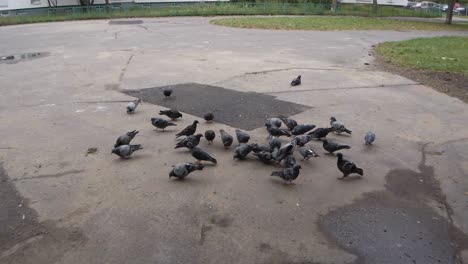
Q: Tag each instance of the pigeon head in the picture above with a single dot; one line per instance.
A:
(325, 141)
(299, 77)
(333, 119)
(339, 155)
(195, 122)
(297, 166)
(268, 125)
(137, 101)
(114, 150)
(198, 136)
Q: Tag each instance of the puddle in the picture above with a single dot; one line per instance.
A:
(397, 225)
(15, 58)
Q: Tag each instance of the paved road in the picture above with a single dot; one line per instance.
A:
(59, 205)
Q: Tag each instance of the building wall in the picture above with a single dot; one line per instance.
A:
(20, 4)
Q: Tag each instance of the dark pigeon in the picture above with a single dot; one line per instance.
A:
(181, 170)
(276, 132)
(161, 123)
(125, 151)
(210, 136)
(258, 148)
(275, 143)
(301, 140)
(289, 161)
(347, 167)
(189, 142)
(290, 123)
(167, 92)
(208, 117)
(283, 152)
(242, 137)
(200, 155)
(132, 106)
(288, 174)
(338, 127)
(307, 152)
(320, 132)
(296, 81)
(369, 138)
(189, 130)
(243, 150)
(172, 114)
(274, 121)
(264, 156)
(226, 138)
(126, 138)
(301, 129)
(332, 146)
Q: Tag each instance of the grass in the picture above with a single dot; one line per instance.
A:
(333, 23)
(267, 8)
(444, 54)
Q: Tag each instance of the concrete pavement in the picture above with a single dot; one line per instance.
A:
(60, 205)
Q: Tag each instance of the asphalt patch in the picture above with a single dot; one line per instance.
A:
(397, 225)
(125, 22)
(15, 58)
(244, 110)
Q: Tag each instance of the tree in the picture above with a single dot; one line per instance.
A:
(52, 3)
(374, 6)
(448, 17)
(86, 2)
(333, 7)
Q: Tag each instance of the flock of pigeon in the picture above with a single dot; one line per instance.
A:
(272, 153)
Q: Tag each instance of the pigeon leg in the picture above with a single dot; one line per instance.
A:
(342, 178)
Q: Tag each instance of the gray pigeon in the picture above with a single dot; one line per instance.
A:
(290, 123)
(172, 114)
(181, 170)
(161, 123)
(284, 152)
(126, 138)
(289, 161)
(125, 151)
(131, 107)
(258, 148)
(301, 129)
(200, 155)
(276, 132)
(288, 174)
(301, 140)
(210, 136)
(189, 142)
(275, 143)
(338, 127)
(369, 138)
(242, 137)
(226, 138)
(189, 130)
(264, 156)
(332, 146)
(320, 132)
(347, 167)
(296, 81)
(307, 152)
(243, 150)
(274, 121)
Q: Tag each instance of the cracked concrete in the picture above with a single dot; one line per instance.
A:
(111, 211)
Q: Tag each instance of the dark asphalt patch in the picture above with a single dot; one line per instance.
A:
(15, 58)
(397, 225)
(125, 22)
(242, 110)
(22, 238)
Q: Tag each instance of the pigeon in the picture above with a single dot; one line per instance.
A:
(288, 174)
(275, 143)
(210, 136)
(307, 152)
(172, 114)
(226, 138)
(264, 156)
(242, 137)
(131, 107)
(161, 123)
(301, 140)
(125, 151)
(347, 167)
(289, 161)
(208, 117)
(274, 121)
(290, 123)
(320, 132)
(276, 132)
(189, 130)
(301, 129)
(189, 142)
(296, 81)
(200, 155)
(167, 92)
(126, 138)
(332, 146)
(258, 148)
(243, 150)
(338, 127)
(181, 170)
(369, 138)
(284, 151)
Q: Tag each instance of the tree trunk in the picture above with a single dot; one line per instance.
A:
(333, 7)
(107, 2)
(374, 6)
(448, 17)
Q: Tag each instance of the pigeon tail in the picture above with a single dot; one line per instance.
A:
(214, 160)
(276, 173)
(359, 171)
(136, 147)
(347, 131)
